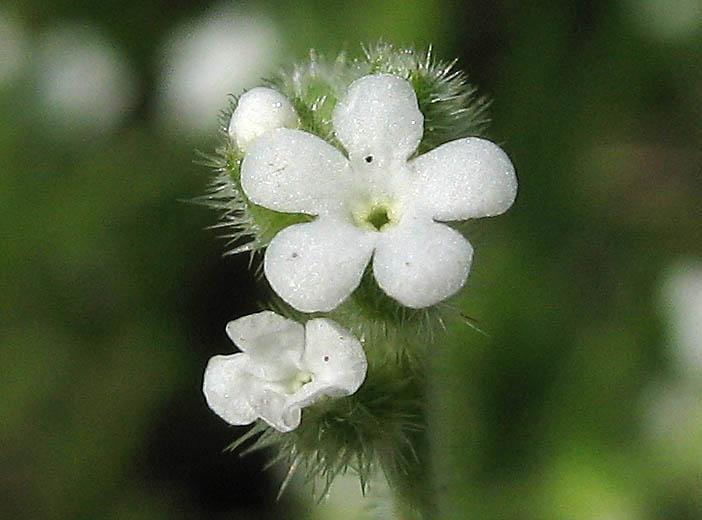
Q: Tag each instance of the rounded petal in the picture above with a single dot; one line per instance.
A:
(259, 110)
(256, 332)
(422, 263)
(379, 118)
(294, 172)
(228, 389)
(334, 356)
(317, 265)
(273, 344)
(465, 178)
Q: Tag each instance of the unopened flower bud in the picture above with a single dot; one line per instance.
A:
(259, 110)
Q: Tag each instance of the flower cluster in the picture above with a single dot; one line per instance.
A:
(348, 176)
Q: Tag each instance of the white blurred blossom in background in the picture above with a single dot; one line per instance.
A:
(205, 60)
(681, 301)
(673, 407)
(83, 80)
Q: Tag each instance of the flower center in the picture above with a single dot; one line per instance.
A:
(299, 380)
(376, 215)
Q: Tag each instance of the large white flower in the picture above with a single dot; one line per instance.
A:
(283, 367)
(375, 203)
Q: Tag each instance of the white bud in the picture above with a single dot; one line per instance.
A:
(259, 110)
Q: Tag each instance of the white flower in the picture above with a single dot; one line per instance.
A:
(283, 367)
(259, 110)
(376, 203)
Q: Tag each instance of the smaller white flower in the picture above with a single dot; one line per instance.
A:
(259, 110)
(283, 367)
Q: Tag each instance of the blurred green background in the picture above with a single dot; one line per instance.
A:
(584, 400)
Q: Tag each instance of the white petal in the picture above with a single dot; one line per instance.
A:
(258, 111)
(422, 263)
(334, 356)
(273, 344)
(256, 331)
(336, 360)
(465, 178)
(275, 409)
(294, 172)
(317, 265)
(228, 389)
(379, 118)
